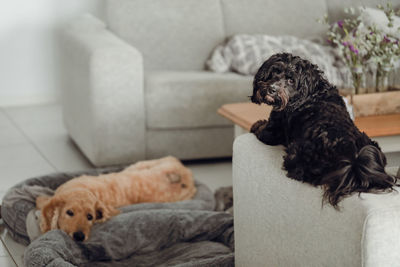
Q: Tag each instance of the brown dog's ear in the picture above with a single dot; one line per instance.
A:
(104, 212)
(174, 177)
(41, 201)
(50, 213)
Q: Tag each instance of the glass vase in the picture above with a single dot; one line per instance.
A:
(358, 80)
(382, 78)
(370, 77)
(394, 79)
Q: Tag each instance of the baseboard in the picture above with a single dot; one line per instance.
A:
(26, 100)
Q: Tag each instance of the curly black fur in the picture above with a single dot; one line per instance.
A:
(309, 117)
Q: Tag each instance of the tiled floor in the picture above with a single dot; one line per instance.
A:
(34, 142)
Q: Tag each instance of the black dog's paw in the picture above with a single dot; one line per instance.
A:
(258, 127)
(265, 133)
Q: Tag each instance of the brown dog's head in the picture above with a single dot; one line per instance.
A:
(74, 212)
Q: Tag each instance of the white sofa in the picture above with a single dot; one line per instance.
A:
(135, 86)
(281, 222)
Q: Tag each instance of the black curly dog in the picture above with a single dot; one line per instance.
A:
(309, 117)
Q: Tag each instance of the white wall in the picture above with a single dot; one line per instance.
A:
(29, 60)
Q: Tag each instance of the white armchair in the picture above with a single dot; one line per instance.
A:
(103, 104)
(117, 111)
(281, 222)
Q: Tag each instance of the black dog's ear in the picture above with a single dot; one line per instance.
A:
(254, 99)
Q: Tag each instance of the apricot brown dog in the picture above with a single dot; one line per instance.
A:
(85, 200)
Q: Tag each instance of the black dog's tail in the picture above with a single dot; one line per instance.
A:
(364, 173)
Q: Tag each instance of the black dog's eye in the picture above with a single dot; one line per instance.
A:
(89, 217)
(70, 213)
(276, 70)
(290, 81)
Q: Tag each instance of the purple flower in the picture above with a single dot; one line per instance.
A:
(345, 43)
(340, 23)
(353, 49)
(386, 39)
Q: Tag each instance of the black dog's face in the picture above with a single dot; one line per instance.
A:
(276, 90)
(275, 82)
(284, 79)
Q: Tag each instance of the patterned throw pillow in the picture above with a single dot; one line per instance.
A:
(244, 54)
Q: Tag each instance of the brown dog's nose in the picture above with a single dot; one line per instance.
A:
(79, 236)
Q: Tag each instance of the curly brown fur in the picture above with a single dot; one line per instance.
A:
(309, 117)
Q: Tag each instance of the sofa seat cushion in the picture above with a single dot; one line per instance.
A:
(191, 99)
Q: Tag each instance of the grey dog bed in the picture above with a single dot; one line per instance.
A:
(186, 233)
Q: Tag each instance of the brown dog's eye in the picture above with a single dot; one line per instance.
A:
(89, 217)
(70, 213)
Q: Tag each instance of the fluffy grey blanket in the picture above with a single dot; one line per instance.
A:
(187, 233)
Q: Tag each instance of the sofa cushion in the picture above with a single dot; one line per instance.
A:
(244, 54)
(285, 17)
(190, 144)
(376, 17)
(191, 99)
(336, 8)
(173, 34)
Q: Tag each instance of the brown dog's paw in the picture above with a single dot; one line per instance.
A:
(258, 126)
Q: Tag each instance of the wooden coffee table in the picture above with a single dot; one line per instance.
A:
(383, 128)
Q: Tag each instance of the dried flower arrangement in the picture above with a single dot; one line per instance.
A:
(366, 49)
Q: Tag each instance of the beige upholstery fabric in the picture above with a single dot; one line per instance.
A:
(285, 17)
(191, 99)
(103, 105)
(335, 8)
(173, 34)
(280, 221)
(194, 143)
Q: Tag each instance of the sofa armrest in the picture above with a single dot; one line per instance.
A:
(281, 222)
(102, 96)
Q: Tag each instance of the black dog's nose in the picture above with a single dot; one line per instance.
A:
(79, 236)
